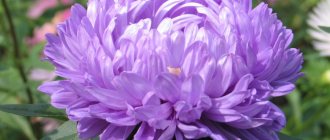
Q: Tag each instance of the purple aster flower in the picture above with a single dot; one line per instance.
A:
(163, 69)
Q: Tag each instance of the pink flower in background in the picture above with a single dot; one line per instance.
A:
(40, 6)
(61, 16)
(35, 11)
(49, 27)
(39, 74)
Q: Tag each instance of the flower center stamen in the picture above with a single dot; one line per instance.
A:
(175, 71)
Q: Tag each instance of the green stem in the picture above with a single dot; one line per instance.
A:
(17, 54)
(19, 65)
(311, 121)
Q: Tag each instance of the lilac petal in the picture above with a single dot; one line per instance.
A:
(105, 65)
(51, 87)
(202, 36)
(81, 92)
(227, 70)
(186, 113)
(246, 122)
(90, 127)
(132, 87)
(262, 85)
(263, 133)
(208, 69)
(253, 109)
(292, 66)
(278, 116)
(213, 5)
(119, 63)
(110, 98)
(133, 31)
(156, 115)
(99, 110)
(188, 5)
(219, 133)
(243, 134)
(154, 65)
(165, 8)
(53, 49)
(137, 12)
(193, 55)
(145, 132)
(223, 115)
(192, 131)
(190, 34)
(114, 132)
(282, 88)
(230, 100)
(168, 133)
(192, 89)
(184, 20)
(243, 83)
(78, 10)
(204, 103)
(78, 109)
(63, 99)
(60, 97)
(119, 118)
(176, 49)
(165, 27)
(108, 42)
(224, 73)
(166, 86)
(212, 88)
(153, 111)
(178, 135)
(211, 16)
(151, 99)
(92, 10)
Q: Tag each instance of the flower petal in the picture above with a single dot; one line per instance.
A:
(167, 87)
(114, 132)
(90, 127)
(145, 132)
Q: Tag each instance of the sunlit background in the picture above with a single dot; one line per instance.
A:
(22, 70)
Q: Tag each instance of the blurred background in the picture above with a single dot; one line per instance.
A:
(22, 69)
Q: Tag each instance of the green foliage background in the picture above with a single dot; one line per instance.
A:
(307, 108)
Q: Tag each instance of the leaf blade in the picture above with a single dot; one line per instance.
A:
(34, 110)
(67, 131)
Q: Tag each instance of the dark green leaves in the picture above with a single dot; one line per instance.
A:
(34, 110)
(67, 131)
(324, 28)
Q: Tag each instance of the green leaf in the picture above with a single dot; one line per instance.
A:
(14, 123)
(34, 110)
(10, 81)
(34, 60)
(283, 136)
(294, 101)
(67, 131)
(326, 29)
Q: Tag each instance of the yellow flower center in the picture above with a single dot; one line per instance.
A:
(175, 71)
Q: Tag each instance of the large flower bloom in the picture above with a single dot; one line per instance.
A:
(163, 69)
(320, 17)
